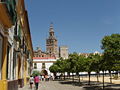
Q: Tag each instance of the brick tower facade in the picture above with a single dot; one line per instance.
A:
(52, 43)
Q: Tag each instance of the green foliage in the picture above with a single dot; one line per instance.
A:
(111, 47)
(96, 62)
(73, 58)
(80, 63)
(77, 63)
(116, 66)
(35, 73)
(54, 68)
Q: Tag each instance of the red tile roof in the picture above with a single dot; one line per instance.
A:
(44, 58)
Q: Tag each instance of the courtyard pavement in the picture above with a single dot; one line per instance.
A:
(64, 85)
(54, 85)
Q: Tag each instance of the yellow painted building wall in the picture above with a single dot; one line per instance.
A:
(3, 85)
(25, 72)
(3, 82)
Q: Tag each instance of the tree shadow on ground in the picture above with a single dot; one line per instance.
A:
(92, 88)
(76, 83)
(112, 87)
(93, 85)
(100, 88)
(85, 87)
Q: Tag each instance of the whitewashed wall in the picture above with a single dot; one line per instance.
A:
(48, 63)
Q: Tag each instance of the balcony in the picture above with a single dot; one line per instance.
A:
(7, 13)
(4, 15)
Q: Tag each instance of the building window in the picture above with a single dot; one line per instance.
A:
(1, 46)
(8, 70)
(14, 65)
(43, 65)
(35, 65)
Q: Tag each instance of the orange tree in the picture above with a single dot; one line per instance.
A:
(111, 47)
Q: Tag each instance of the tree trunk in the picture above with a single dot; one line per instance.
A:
(69, 75)
(54, 74)
(97, 76)
(73, 77)
(79, 78)
(117, 74)
(89, 78)
(103, 81)
(64, 75)
(61, 76)
(110, 76)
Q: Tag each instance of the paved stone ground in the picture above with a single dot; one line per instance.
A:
(54, 85)
(64, 85)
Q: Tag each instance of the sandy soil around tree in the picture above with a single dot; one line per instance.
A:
(106, 79)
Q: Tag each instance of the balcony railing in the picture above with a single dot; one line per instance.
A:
(10, 5)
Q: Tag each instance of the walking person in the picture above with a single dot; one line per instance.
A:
(31, 81)
(36, 80)
(40, 77)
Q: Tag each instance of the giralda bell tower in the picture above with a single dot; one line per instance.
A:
(52, 43)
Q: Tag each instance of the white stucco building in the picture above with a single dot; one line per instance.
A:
(43, 63)
(63, 52)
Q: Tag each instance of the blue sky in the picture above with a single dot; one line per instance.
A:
(79, 24)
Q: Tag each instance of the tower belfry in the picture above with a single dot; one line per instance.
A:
(51, 27)
(51, 30)
(51, 43)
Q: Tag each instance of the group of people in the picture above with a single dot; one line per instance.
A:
(35, 80)
(46, 77)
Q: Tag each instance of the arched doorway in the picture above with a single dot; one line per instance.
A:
(44, 72)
